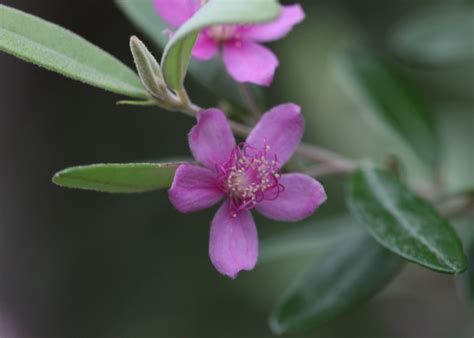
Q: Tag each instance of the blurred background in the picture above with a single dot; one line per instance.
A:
(77, 264)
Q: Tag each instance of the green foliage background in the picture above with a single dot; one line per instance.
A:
(80, 264)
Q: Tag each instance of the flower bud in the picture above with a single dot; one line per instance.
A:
(148, 68)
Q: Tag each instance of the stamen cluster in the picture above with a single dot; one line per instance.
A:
(250, 176)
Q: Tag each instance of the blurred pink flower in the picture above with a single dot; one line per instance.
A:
(244, 57)
(247, 175)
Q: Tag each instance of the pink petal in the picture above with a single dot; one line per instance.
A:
(211, 140)
(176, 12)
(233, 244)
(282, 129)
(205, 47)
(290, 16)
(194, 188)
(300, 198)
(247, 61)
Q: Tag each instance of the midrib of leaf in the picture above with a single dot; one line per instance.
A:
(386, 202)
(67, 59)
(105, 182)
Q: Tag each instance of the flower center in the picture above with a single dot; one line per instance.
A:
(250, 176)
(222, 33)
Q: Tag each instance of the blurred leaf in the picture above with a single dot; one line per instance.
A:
(118, 178)
(143, 14)
(50, 46)
(211, 74)
(313, 236)
(403, 222)
(436, 36)
(396, 102)
(350, 273)
(469, 275)
(178, 51)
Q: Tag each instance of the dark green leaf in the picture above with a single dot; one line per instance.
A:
(436, 36)
(469, 275)
(177, 53)
(118, 178)
(403, 222)
(350, 273)
(396, 101)
(57, 49)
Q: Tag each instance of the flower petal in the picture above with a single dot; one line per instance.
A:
(290, 16)
(176, 12)
(247, 61)
(300, 198)
(281, 128)
(194, 188)
(233, 244)
(211, 140)
(205, 47)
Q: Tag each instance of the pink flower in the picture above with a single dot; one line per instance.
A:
(245, 59)
(248, 176)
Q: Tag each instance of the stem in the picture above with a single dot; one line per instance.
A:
(325, 169)
(333, 162)
(250, 102)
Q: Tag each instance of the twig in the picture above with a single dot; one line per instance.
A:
(250, 102)
(331, 160)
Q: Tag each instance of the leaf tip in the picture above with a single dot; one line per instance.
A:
(275, 325)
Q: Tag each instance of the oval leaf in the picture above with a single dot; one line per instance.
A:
(350, 273)
(50, 46)
(211, 74)
(396, 101)
(469, 275)
(403, 222)
(118, 178)
(435, 36)
(216, 12)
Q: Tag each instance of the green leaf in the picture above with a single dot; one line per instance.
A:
(50, 46)
(118, 178)
(216, 12)
(469, 275)
(395, 100)
(308, 238)
(403, 222)
(350, 273)
(435, 36)
(211, 74)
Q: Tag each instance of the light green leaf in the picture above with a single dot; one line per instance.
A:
(118, 178)
(403, 222)
(211, 74)
(216, 12)
(395, 100)
(50, 46)
(436, 36)
(348, 274)
(311, 237)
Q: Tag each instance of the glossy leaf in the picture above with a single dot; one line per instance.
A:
(118, 178)
(396, 101)
(435, 36)
(177, 53)
(50, 46)
(403, 222)
(211, 74)
(469, 275)
(351, 272)
(308, 238)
